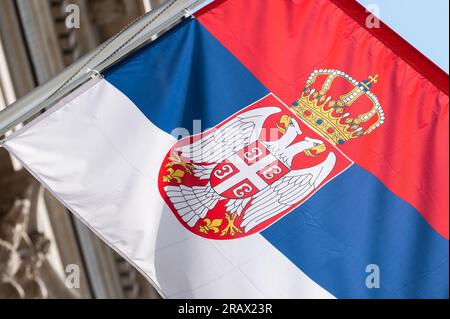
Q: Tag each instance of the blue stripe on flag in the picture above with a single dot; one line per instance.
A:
(354, 221)
(184, 76)
(351, 222)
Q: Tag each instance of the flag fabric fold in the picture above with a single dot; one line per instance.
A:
(278, 156)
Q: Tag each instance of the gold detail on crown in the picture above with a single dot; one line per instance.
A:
(334, 118)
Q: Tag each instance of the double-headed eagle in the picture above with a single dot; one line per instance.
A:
(205, 154)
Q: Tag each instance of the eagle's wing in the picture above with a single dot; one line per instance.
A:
(203, 171)
(224, 142)
(192, 203)
(237, 205)
(286, 192)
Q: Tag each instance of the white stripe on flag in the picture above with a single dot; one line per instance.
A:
(101, 157)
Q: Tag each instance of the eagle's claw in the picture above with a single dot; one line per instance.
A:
(231, 228)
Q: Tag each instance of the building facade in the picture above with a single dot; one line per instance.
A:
(44, 251)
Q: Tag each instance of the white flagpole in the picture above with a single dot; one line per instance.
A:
(131, 38)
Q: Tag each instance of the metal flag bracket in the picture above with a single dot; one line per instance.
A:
(94, 74)
(188, 13)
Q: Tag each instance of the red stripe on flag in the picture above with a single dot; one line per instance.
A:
(282, 42)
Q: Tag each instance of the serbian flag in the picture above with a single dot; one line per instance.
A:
(263, 149)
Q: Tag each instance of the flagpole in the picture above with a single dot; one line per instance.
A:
(142, 31)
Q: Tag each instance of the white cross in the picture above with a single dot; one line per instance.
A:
(246, 172)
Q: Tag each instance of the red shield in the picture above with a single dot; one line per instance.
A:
(213, 198)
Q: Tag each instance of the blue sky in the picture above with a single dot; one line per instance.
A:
(424, 24)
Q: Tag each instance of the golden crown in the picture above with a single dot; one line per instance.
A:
(335, 118)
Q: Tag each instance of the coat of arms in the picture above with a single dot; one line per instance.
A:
(255, 167)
